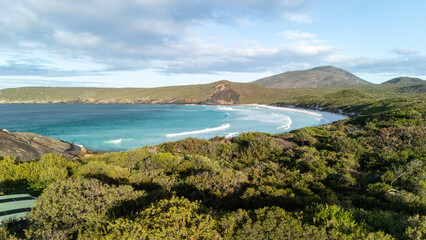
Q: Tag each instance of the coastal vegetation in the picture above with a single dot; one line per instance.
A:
(359, 178)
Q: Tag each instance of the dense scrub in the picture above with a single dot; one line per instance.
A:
(360, 178)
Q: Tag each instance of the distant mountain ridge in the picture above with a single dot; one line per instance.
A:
(404, 80)
(325, 76)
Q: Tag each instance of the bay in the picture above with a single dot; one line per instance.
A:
(119, 127)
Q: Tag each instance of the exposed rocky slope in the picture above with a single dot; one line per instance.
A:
(31, 146)
(404, 80)
(223, 95)
(326, 76)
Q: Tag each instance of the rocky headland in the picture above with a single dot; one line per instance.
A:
(31, 146)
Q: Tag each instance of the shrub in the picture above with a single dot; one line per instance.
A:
(69, 207)
(176, 218)
(267, 223)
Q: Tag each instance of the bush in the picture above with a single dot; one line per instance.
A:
(105, 172)
(69, 207)
(267, 223)
(176, 218)
(127, 159)
(33, 177)
(218, 183)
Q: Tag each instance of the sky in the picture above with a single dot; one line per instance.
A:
(152, 43)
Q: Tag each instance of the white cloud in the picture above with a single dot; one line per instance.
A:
(76, 39)
(385, 68)
(138, 34)
(404, 51)
(297, 17)
(309, 49)
(336, 58)
(241, 56)
(50, 37)
(297, 34)
(244, 22)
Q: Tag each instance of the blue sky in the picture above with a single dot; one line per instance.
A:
(150, 43)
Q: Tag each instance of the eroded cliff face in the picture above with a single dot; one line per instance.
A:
(31, 146)
(223, 96)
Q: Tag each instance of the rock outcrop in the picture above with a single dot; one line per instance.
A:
(223, 96)
(31, 146)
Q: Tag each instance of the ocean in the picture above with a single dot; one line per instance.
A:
(119, 127)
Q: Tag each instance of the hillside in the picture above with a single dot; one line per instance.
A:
(404, 80)
(326, 76)
(222, 92)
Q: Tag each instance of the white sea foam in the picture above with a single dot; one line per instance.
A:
(230, 135)
(287, 125)
(318, 116)
(207, 130)
(117, 141)
(324, 117)
(221, 108)
(280, 120)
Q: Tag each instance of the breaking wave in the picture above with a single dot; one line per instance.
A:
(206, 130)
(221, 108)
(117, 141)
(280, 120)
(287, 125)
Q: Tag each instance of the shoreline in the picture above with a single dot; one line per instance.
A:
(319, 114)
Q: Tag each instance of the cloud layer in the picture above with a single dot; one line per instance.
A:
(85, 37)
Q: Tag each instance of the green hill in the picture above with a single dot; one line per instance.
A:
(326, 76)
(222, 92)
(404, 80)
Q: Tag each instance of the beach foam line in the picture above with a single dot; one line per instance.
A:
(307, 112)
(223, 127)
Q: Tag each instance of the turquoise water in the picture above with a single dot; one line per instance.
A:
(118, 127)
